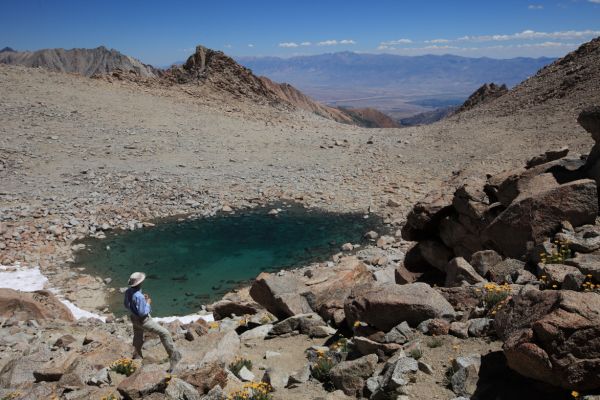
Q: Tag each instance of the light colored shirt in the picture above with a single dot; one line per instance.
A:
(136, 303)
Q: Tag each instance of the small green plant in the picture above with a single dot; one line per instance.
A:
(434, 342)
(238, 364)
(341, 346)
(558, 255)
(495, 296)
(124, 366)
(253, 391)
(321, 369)
(416, 353)
(11, 396)
(111, 396)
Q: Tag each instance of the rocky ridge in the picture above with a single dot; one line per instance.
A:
(86, 62)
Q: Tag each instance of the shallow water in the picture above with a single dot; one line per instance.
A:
(195, 262)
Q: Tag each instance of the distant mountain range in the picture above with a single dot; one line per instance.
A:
(392, 83)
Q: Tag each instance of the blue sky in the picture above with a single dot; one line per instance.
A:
(163, 32)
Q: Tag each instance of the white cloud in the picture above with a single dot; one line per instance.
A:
(535, 7)
(347, 41)
(437, 41)
(288, 44)
(531, 35)
(327, 43)
(228, 46)
(305, 44)
(594, 1)
(250, 45)
(395, 42)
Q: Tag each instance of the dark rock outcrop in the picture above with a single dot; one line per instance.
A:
(554, 337)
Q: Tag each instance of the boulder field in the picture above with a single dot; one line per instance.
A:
(492, 291)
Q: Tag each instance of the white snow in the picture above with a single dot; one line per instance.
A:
(31, 279)
(186, 319)
(20, 278)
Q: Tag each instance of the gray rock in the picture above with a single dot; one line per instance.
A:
(271, 354)
(277, 378)
(483, 260)
(178, 389)
(301, 322)
(588, 264)
(300, 376)
(246, 375)
(350, 376)
(366, 346)
(459, 329)
(426, 368)
(466, 374)
(321, 331)
(400, 373)
(459, 270)
(479, 327)
(226, 349)
(400, 334)
(260, 332)
(503, 271)
(280, 295)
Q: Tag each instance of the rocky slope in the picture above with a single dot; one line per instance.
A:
(86, 62)
(484, 94)
(569, 83)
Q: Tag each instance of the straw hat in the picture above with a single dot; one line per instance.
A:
(136, 278)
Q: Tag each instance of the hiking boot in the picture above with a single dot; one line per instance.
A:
(174, 360)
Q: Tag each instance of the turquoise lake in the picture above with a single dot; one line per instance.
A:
(194, 262)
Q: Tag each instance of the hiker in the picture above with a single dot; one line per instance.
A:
(139, 307)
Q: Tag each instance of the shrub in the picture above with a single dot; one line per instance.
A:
(416, 353)
(124, 366)
(321, 369)
(253, 391)
(495, 296)
(557, 256)
(341, 346)
(111, 396)
(238, 364)
(11, 396)
(435, 342)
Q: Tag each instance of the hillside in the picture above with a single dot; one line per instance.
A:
(86, 62)
(566, 86)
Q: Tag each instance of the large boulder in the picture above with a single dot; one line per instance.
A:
(532, 218)
(554, 337)
(350, 376)
(588, 264)
(589, 119)
(143, 382)
(280, 295)
(384, 307)
(225, 308)
(38, 305)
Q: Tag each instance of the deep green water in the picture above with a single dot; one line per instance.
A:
(195, 262)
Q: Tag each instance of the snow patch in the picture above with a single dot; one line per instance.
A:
(31, 279)
(186, 319)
